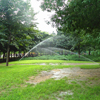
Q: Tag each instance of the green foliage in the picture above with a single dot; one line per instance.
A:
(78, 17)
(63, 57)
(15, 17)
(64, 41)
(75, 14)
(46, 57)
(94, 57)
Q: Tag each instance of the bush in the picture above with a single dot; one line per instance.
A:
(60, 57)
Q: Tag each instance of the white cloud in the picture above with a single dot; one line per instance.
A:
(42, 17)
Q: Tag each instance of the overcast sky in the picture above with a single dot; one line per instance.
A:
(42, 17)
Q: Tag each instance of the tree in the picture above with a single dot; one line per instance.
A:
(75, 15)
(15, 16)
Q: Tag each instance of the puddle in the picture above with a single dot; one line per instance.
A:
(42, 64)
(61, 73)
(72, 73)
(66, 93)
(62, 94)
(53, 63)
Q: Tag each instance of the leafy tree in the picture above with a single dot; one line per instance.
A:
(75, 14)
(15, 16)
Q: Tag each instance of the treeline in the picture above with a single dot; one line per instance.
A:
(78, 19)
(16, 52)
(18, 31)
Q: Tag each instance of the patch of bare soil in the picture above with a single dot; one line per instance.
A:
(41, 77)
(71, 73)
(90, 76)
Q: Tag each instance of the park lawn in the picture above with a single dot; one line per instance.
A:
(13, 84)
(47, 61)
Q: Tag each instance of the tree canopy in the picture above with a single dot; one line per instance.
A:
(75, 14)
(15, 17)
(79, 18)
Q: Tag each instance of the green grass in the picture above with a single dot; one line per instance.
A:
(13, 84)
(89, 66)
(47, 61)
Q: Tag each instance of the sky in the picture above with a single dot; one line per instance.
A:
(41, 17)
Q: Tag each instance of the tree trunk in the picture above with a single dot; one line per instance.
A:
(89, 52)
(19, 54)
(8, 49)
(3, 56)
(14, 54)
(11, 54)
(0, 54)
(79, 50)
(24, 53)
(7, 58)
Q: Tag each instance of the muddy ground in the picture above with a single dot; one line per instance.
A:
(71, 73)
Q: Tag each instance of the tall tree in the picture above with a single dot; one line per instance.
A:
(15, 16)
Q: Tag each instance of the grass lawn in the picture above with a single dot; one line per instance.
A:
(13, 85)
(47, 61)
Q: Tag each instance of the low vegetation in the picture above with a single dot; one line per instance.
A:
(65, 57)
(13, 84)
(94, 57)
